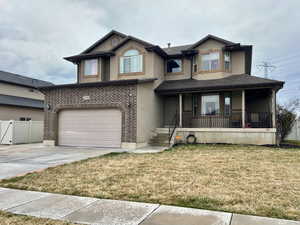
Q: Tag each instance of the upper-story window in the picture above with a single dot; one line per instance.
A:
(227, 61)
(131, 62)
(91, 67)
(174, 66)
(210, 61)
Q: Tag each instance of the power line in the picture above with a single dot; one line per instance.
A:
(267, 67)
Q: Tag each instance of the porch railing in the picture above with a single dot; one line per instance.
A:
(259, 119)
(175, 125)
(234, 120)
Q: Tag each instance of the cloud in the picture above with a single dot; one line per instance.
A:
(34, 37)
(36, 34)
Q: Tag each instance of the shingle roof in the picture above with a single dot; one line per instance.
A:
(19, 101)
(234, 81)
(176, 50)
(22, 80)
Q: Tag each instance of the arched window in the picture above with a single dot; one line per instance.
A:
(131, 62)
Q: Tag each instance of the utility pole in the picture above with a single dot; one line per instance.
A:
(267, 67)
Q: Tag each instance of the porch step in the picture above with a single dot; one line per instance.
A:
(162, 130)
(160, 139)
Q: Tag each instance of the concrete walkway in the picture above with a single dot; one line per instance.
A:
(111, 212)
(17, 160)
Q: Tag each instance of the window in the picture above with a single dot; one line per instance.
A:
(227, 105)
(187, 103)
(210, 105)
(174, 66)
(91, 67)
(195, 64)
(210, 62)
(131, 62)
(227, 61)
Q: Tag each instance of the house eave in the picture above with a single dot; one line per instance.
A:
(77, 58)
(100, 84)
(217, 88)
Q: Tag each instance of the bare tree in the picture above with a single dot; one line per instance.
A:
(286, 117)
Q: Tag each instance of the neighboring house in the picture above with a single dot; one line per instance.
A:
(129, 90)
(20, 98)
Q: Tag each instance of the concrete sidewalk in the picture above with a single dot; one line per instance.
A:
(112, 212)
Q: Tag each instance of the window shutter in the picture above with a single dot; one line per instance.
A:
(122, 65)
(140, 63)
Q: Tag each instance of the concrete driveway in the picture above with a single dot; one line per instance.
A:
(20, 159)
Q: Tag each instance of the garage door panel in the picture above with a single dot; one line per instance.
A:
(93, 127)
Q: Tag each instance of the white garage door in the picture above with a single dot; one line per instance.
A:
(90, 127)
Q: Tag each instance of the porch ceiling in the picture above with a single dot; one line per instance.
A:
(231, 82)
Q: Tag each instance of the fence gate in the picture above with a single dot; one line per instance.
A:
(21, 132)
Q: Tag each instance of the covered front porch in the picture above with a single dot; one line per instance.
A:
(238, 109)
(246, 108)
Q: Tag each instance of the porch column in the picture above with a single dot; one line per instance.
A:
(273, 108)
(243, 109)
(180, 110)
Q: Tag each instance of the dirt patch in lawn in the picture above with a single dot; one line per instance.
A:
(11, 219)
(244, 179)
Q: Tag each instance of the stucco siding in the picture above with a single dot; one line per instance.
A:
(236, 100)
(259, 136)
(25, 92)
(238, 62)
(93, 78)
(210, 44)
(107, 45)
(149, 112)
(186, 71)
(148, 63)
(15, 113)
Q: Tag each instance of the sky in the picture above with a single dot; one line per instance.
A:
(35, 35)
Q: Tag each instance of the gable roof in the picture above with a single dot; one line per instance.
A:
(234, 81)
(12, 78)
(20, 101)
(131, 38)
(100, 41)
(175, 51)
(226, 42)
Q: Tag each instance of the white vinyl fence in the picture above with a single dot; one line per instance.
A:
(295, 133)
(21, 132)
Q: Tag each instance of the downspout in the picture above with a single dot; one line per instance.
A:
(191, 67)
(78, 72)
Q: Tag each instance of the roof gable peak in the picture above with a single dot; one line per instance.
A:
(212, 37)
(104, 38)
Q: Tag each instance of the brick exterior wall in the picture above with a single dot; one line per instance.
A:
(123, 98)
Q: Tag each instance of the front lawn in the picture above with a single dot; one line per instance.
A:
(244, 179)
(11, 219)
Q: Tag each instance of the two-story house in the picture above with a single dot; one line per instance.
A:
(20, 98)
(128, 91)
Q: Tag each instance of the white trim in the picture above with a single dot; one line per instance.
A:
(49, 143)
